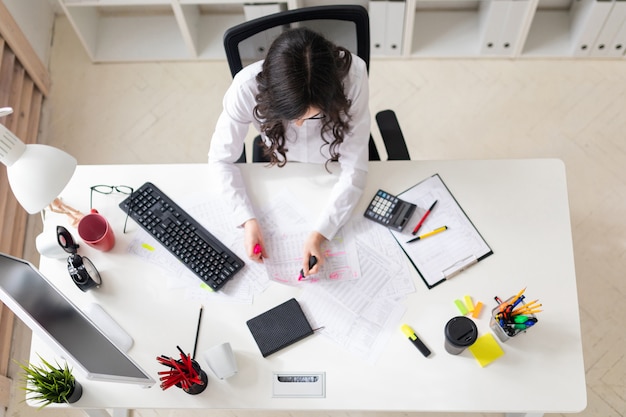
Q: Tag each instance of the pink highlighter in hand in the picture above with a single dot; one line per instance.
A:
(257, 249)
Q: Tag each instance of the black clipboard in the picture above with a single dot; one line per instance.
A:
(446, 254)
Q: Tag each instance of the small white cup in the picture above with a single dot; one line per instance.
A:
(47, 245)
(221, 360)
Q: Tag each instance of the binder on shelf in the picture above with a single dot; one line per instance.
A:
(493, 14)
(386, 26)
(377, 11)
(587, 19)
(618, 45)
(515, 28)
(609, 32)
(395, 28)
(444, 255)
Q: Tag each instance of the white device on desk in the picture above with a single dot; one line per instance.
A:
(61, 324)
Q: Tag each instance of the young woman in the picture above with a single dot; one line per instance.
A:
(309, 99)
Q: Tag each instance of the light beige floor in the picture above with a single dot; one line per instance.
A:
(448, 109)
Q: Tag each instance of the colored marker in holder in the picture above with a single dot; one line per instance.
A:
(513, 316)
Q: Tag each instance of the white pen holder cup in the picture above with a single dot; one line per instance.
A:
(221, 360)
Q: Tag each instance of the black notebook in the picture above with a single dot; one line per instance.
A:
(279, 327)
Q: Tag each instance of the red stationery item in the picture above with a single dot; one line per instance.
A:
(419, 224)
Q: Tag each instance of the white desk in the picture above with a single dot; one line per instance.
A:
(519, 206)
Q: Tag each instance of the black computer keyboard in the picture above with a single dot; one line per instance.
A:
(182, 235)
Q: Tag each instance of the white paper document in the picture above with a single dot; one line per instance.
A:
(285, 258)
(358, 300)
(357, 297)
(362, 315)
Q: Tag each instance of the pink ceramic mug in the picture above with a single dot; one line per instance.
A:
(96, 231)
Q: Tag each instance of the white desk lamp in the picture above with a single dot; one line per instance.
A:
(37, 173)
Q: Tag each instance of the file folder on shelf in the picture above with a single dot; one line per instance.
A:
(603, 46)
(618, 46)
(386, 27)
(587, 19)
(446, 254)
(504, 25)
(493, 14)
(395, 28)
(377, 11)
(517, 24)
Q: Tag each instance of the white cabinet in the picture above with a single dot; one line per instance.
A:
(164, 30)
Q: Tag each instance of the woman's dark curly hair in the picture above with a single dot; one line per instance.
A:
(302, 70)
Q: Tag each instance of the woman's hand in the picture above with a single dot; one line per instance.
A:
(313, 247)
(253, 241)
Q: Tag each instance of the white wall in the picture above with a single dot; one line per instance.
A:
(36, 19)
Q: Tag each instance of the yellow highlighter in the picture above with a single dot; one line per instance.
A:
(406, 329)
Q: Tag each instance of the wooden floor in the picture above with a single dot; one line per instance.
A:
(448, 109)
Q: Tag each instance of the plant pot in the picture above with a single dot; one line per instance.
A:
(76, 393)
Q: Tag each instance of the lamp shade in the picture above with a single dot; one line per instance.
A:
(37, 173)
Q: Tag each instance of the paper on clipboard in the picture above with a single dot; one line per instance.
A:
(444, 255)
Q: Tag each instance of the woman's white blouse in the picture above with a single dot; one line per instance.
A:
(304, 144)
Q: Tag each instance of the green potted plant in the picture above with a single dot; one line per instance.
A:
(50, 384)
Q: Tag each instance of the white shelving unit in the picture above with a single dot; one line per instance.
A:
(444, 30)
(166, 30)
(203, 26)
(572, 27)
(468, 28)
(153, 30)
(550, 33)
(127, 31)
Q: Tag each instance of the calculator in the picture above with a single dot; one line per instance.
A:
(389, 210)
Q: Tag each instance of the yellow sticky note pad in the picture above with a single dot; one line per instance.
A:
(486, 350)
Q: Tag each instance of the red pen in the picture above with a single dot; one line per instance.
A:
(423, 218)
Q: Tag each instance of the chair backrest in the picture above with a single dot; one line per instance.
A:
(345, 25)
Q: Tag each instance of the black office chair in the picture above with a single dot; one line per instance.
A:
(345, 25)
